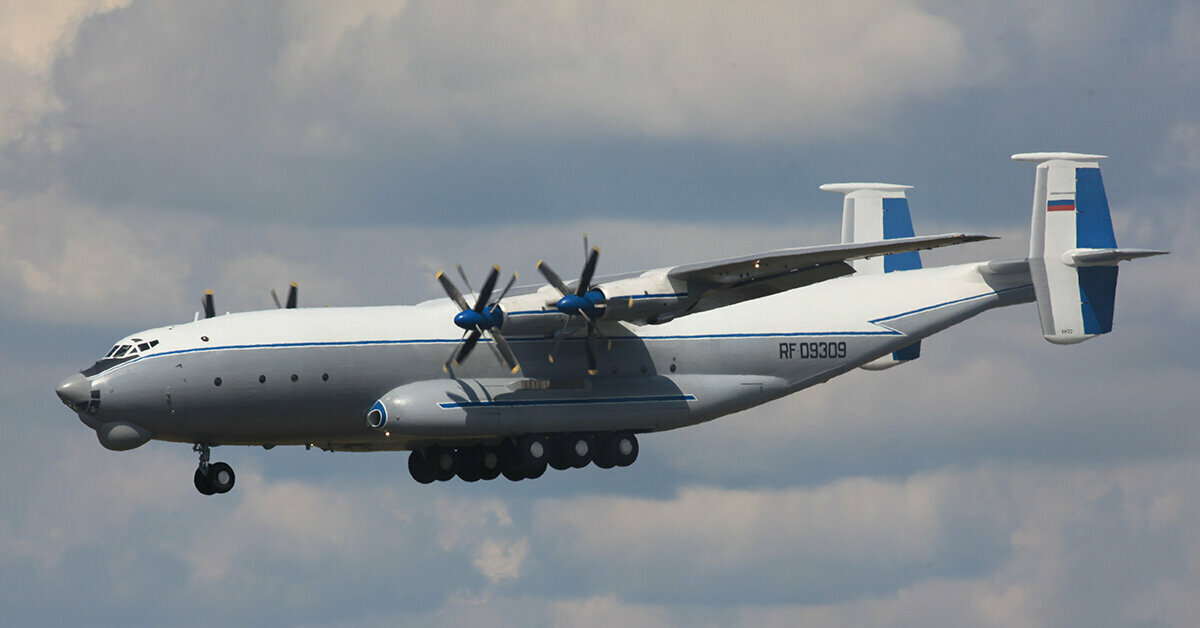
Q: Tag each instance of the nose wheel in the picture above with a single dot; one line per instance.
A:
(212, 478)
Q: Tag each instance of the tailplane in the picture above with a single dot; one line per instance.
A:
(1073, 251)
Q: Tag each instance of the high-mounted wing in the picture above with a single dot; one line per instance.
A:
(733, 280)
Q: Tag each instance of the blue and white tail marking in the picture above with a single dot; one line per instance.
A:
(872, 212)
(1073, 252)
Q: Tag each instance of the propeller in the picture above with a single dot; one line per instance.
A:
(483, 317)
(584, 302)
(291, 297)
(210, 309)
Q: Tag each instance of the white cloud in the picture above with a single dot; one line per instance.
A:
(32, 35)
(666, 69)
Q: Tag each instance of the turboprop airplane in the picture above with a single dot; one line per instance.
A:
(582, 368)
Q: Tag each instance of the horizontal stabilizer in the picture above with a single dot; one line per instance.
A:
(1105, 257)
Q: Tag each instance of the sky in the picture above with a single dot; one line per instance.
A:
(152, 150)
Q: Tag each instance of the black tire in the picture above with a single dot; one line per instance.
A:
(602, 446)
(558, 453)
(572, 446)
(536, 471)
(624, 449)
(512, 474)
(467, 465)
(221, 477)
(533, 450)
(441, 463)
(489, 463)
(202, 483)
(419, 468)
(510, 461)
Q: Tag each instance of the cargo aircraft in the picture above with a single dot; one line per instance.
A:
(580, 369)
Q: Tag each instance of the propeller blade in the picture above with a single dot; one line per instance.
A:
(558, 340)
(293, 291)
(486, 293)
(553, 278)
(586, 248)
(506, 351)
(506, 288)
(594, 330)
(466, 282)
(589, 269)
(466, 347)
(210, 310)
(591, 353)
(446, 365)
(452, 291)
(275, 297)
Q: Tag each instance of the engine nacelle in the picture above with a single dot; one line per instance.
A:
(644, 298)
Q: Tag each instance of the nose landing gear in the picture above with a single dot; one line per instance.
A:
(212, 479)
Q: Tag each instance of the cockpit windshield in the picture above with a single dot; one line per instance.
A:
(121, 352)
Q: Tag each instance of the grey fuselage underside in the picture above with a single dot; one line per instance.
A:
(317, 385)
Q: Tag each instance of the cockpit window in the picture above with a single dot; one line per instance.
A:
(120, 353)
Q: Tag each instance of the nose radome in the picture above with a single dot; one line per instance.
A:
(75, 391)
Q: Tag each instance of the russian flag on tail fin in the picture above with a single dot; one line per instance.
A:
(872, 212)
(1073, 252)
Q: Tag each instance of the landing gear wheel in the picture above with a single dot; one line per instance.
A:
(202, 483)
(558, 452)
(510, 461)
(602, 456)
(619, 449)
(441, 462)
(536, 471)
(220, 477)
(576, 450)
(625, 449)
(419, 468)
(533, 451)
(467, 464)
(489, 463)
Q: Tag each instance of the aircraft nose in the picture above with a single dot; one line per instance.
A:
(75, 391)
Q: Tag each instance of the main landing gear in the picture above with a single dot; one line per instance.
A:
(212, 478)
(523, 458)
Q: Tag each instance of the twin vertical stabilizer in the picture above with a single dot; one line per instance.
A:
(872, 212)
(1073, 252)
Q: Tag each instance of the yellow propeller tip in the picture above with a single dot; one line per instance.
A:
(551, 358)
(515, 369)
(593, 372)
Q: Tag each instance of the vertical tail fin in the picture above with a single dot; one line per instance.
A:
(1073, 251)
(879, 211)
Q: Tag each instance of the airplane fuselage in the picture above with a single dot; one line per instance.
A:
(311, 376)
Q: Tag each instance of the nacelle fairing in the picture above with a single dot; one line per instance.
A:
(466, 409)
(649, 297)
